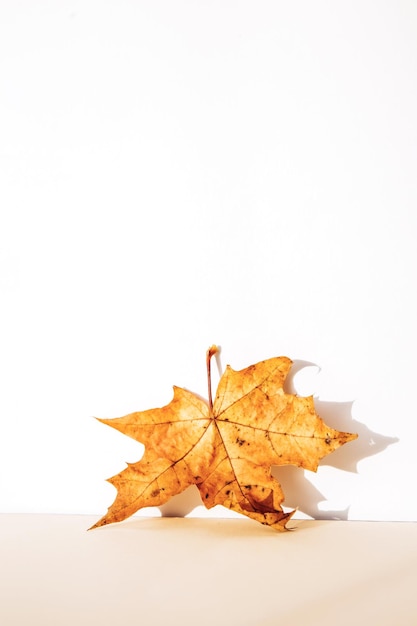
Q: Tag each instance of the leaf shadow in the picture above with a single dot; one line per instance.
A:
(338, 415)
(182, 504)
(300, 492)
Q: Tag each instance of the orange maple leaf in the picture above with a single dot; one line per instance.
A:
(226, 448)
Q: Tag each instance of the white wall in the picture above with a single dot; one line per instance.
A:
(177, 174)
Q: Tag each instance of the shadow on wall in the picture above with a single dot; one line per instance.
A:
(299, 491)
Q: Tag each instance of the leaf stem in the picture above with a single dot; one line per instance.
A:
(210, 352)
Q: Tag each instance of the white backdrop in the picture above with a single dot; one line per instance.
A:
(177, 174)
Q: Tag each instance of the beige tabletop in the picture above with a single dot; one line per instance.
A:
(188, 571)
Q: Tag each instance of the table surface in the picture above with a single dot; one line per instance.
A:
(190, 571)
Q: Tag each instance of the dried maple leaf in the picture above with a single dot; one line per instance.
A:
(226, 448)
